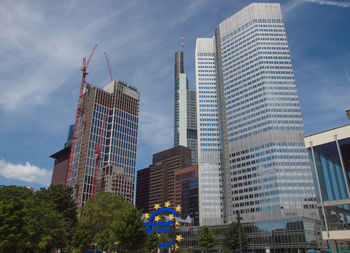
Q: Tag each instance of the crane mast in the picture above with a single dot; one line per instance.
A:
(78, 116)
(109, 67)
(97, 156)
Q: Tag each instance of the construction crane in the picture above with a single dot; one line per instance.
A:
(78, 116)
(97, 156)
(109, 67)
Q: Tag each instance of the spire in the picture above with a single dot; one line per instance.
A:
(182, 43)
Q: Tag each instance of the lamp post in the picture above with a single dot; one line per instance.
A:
(95, 244)
(239, 231)
(115, 246)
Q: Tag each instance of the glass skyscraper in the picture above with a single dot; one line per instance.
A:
(185, 122)
(252, 156)
(120, 102)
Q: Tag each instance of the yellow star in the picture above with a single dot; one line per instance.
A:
(156, 206)
(146, 216)
(171, 216)
(177, 224)
(158, 235)
(179, 238)
(178, 208)
(157, 218)
(176, 247)
(167, 204)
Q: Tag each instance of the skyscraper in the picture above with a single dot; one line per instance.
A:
(61, 157)
(185, 122)
(156, 184)
(252, 156)
(120, 103)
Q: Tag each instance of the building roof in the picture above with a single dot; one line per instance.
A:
(60, 153)
(327, 136)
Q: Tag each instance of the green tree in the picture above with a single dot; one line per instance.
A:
(13, 210)
(82, 239)
(29, 222)
(12, 232)
(97, 217)
(61, 200)
(152, 242)
(231, 243)
(128, 229)
(206, 238)
(45, 226)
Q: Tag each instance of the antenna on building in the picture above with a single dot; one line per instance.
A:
(109, 67)
(182, 43)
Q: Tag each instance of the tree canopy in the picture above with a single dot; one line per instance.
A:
(231, 243)
(206, 238)
(35, 221)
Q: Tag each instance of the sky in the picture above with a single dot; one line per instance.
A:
(42, 44)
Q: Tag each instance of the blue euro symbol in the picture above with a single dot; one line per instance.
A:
(150, 223)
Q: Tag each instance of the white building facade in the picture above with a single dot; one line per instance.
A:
(185, 120)
(262, 168)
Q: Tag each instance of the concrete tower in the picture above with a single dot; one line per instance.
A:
(185, 122)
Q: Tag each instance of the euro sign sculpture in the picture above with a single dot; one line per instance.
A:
(167, 224)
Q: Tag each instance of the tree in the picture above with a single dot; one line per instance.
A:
(97, 216)
(13, 210)
(45, 226)
(81, 239)
(152, 241)
(128, 229)
(231, 243)
(61, 200)
(206, 238)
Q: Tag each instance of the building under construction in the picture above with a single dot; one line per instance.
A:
(105, 138)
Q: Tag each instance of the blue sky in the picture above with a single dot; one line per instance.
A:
(42, 44)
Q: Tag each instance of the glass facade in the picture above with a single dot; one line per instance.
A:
(330, 155)
(119, 102)
(246, 84)
(209, 165)
(286, 235)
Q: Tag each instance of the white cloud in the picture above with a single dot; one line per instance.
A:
(27, 172)
(332, 3)
(290, 7)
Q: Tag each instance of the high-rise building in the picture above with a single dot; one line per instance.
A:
(185, 122)
(70, 136)
(61, 157)
(156, 184)
(119, 103)
(330, 156)
(186, 192)
(252, 157)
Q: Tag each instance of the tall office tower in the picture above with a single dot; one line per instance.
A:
(185, 122)
(252, 157)
(61, 160)
(119, 102)
(155, 184)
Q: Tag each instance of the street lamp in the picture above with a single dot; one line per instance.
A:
(239, 231)
(115, 246)
(95, 244)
